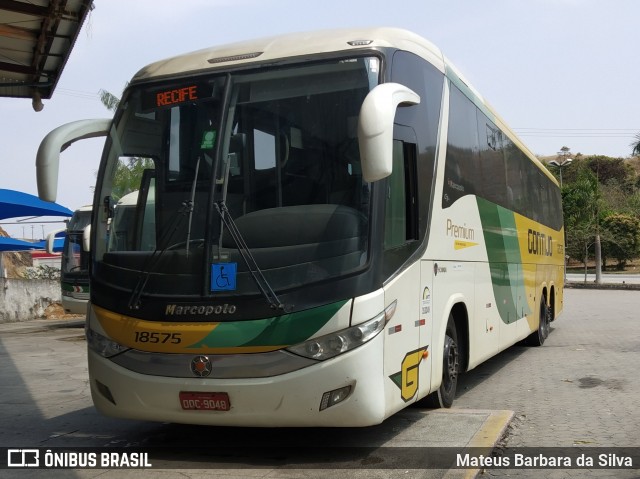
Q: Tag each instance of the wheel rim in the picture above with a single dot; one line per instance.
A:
(450, 364)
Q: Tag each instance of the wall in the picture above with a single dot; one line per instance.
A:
(25, 299)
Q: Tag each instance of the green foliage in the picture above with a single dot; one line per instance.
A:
(601, 195)
(580, 204)
(128, 175)
(636, 146)
(109, 100)
(622, 238)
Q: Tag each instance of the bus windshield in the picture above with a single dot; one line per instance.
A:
(75, 261)
(276, 146)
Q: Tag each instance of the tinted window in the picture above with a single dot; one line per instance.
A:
(482, 160)
(462, 149)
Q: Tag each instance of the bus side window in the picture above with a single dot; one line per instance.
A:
(401, 225)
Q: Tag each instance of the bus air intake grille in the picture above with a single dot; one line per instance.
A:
(235, 58)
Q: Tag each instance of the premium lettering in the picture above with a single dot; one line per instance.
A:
(460, 231)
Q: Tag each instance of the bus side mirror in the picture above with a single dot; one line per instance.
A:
(48, 156)
(51, 239)
(86, 239)
(375, 128)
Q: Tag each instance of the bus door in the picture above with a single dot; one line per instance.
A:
(405, 340)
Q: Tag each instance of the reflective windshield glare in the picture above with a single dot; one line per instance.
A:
(277, 147)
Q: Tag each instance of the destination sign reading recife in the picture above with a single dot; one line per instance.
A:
(172, 95)
(179, 95)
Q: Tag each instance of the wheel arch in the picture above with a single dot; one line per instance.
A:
(461, 320)
(551, 302)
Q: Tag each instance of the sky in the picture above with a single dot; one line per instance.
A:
(559, 72)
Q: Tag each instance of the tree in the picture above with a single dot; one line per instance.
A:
(581, 205)
(128, 176)
(636, 146)
(109, 100)
(622, 238)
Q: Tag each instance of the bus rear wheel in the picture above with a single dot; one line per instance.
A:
(538, 337)
(446, 393)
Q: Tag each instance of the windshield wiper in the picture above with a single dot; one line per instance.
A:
(150, 263)
(187, 207)
(227, 220)
(192, 204)
(249, 260)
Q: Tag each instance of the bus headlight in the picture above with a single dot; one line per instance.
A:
(333, 344)
(102, 345)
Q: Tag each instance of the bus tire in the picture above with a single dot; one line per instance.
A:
(446, 393)
(538, 337)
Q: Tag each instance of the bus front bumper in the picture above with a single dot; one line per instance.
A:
(291, 399)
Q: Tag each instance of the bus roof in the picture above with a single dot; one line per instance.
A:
(318, 42)
(292, 45)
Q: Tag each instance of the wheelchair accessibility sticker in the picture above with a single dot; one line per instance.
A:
(223, 276)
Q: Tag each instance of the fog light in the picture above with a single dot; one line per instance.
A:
(106, 392)
(332, 398)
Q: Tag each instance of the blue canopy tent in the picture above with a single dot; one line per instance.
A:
(10, 244)
(15, 204)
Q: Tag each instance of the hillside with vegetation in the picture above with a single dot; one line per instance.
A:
(601, 199)
(15, 263)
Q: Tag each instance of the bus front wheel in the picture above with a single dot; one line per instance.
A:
(446, 393)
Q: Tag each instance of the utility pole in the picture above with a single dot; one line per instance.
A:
(597, 245)
(564, 161)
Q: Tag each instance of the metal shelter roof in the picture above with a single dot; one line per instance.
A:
(36, 39)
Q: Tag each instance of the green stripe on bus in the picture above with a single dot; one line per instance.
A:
(276, 331)
(503, 252)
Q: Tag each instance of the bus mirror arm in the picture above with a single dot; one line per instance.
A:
(56, 141)
(375, 127)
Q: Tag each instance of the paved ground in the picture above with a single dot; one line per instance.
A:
(580, 389)
(45, 402)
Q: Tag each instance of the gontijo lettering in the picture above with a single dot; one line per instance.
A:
(179, 95)
(539, 243)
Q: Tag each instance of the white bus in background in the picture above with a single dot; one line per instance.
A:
(329, 226)
(74, 262)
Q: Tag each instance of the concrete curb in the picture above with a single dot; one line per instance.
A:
(487, 436)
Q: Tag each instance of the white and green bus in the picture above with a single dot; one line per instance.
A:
(74, 262)
(328, 227)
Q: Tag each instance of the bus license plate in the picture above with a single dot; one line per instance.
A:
(199, 401)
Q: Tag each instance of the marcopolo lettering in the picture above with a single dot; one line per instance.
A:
(539, 243)
(199, 310)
